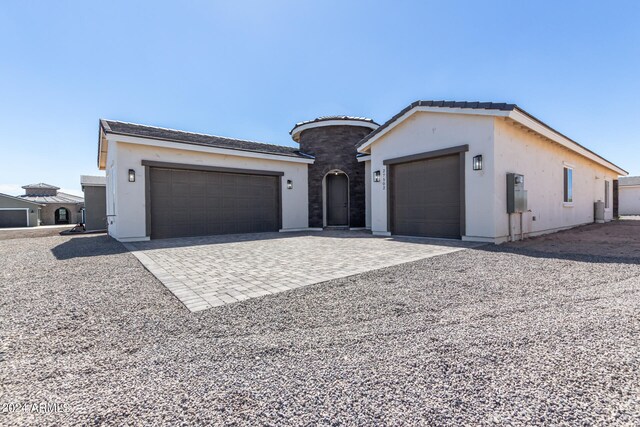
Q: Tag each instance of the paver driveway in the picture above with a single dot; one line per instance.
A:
(204, 272)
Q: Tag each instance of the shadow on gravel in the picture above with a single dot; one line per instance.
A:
(180, 242)
(569, 256)
(88, 246)
(616, 242)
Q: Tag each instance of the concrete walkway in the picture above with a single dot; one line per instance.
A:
(205, 272)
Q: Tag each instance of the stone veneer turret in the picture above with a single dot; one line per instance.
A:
(333, 142)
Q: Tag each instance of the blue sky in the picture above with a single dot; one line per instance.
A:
(251, 69)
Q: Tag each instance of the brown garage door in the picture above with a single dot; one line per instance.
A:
(425, 197)
(13, 218)
(197, 203)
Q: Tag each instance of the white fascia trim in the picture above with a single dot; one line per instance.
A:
(535, 126)
(296, 134)
(203, 149)
(364, 158)
(620, 187)
(424, 109)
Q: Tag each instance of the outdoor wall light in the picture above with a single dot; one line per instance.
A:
(477, 162)
(289, 184)
(376, 176)
(132, 175)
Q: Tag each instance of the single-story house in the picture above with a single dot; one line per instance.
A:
(629, 195)
(487, 172)
(94, 213)
(16, 212)
(57, 207)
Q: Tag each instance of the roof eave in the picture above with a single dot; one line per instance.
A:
(301, 127)
(541, 128)
(300, 158)
(516, 113)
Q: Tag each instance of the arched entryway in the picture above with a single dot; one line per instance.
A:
(336, 199)
(62, 216)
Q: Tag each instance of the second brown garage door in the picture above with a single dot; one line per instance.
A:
(425, 197)
(197, 203)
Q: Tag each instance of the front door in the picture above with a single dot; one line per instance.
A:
(337, 199)
(61, 216)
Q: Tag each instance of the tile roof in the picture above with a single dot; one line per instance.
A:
(628, 180)
(328, 118)
(58, 198)
(153, 132)
(93, 180)
(41, 185)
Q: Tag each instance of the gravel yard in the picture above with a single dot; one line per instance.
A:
(541, 332)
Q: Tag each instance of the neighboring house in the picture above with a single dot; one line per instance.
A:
(16, 212)
(629, 195)
(57, 207)
(95, 202)
(436, 169)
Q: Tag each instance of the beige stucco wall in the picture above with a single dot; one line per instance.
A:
(505, 148)
(126, 200)
(629, 200)
(427, 131)
(542, 163)
(47, 213)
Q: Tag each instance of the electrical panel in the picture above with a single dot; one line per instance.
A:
(516, 194)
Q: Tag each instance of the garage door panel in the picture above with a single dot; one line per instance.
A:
(192, 203)
(13, 218)
(425, 197)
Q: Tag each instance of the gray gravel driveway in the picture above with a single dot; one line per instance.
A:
(540, 332)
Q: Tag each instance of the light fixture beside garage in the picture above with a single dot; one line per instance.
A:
(132, 175)
(477, 162)
(376, 176)
(289, 184)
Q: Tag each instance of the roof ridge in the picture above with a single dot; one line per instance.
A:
(337, 117)
(41, 185)
(194, 133)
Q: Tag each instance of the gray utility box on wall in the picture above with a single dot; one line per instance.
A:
(598, 212)
(516, 194)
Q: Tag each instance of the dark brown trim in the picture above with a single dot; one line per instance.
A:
(147, 200)
(389, 198)
(463, 198)
(279, 197)
(427, 155)
(168, 165)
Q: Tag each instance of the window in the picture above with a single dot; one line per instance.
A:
(606, 194)
(568, 185)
